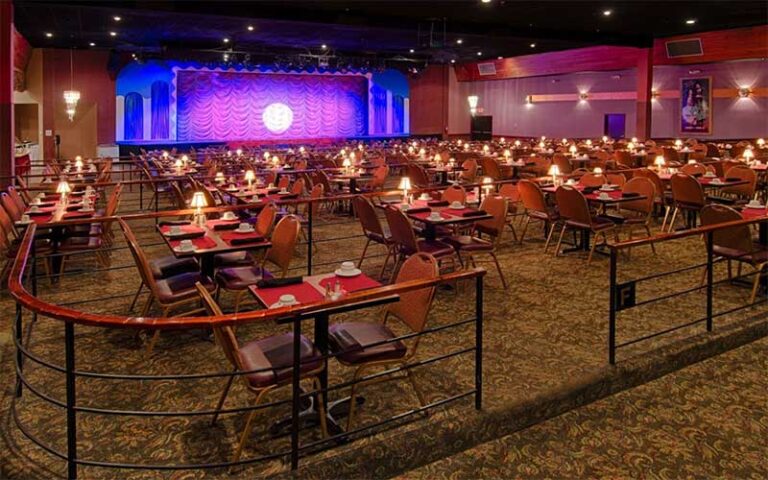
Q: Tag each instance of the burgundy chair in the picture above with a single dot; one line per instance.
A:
(406, 243)
(372, 229)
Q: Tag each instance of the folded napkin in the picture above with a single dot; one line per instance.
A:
(732, 179)
(630, 194)
(419, 210)
(164, 223)
(474, 213)
(74, 215)
(438, 203)
(588, 190)
(75, 206)
(245, 240)
(186, 235)
(278, 282)
(226, 226)
(39, 212)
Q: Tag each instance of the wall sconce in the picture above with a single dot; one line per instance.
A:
(583, 96)
(472, 100)
(654, 95)
(529, 99)
(744, 92)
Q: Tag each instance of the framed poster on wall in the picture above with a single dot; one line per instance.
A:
(696, 105)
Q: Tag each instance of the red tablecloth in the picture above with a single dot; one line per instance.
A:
(751, 213)
(184, 229)
(350, 284)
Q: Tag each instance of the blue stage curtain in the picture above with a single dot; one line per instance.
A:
(398, 114)
(160, 99)
(379, 96)
(133, 116)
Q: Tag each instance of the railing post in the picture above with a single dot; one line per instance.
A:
(19, 339)
(612, 311)
(296, 393)
(33, 256)
(69, 351)
(710, 276)
(310, 236)
(141, 195)
(479, 342)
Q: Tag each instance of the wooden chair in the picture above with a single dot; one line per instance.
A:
(406, 244)
(373, 230)
(270, 361)
(536, 209)
(735, 244)
(593, 179)
(687, 196)
(640, 212)
(575, 211)
(348, 341)
(238, 279)
(454, 193)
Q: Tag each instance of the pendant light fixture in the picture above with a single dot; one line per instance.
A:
(71, 96)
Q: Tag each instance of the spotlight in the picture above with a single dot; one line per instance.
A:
(533, 45)
(250, 28)
(117, 18)
(324, 46)
(607, 13)
(112, 34)
(225, 40)
(411, 50)
(479, 54)
(92, 44)
(690, 21)
(459, 41)
(48, 34)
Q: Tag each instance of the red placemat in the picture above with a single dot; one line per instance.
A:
(750, 213)
(184, 228)
(229, 235)
(42, 218)
(304, 293)
(458, 212)
(350, 284)
(201, 243)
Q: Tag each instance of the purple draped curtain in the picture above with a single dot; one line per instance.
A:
(133, 117)
(160, 99)
(398, 114)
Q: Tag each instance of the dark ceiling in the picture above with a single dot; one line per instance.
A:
(372, 29)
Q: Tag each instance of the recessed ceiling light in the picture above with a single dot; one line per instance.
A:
(117, 18)
(499, 57)
(225, 40)
(92, 44)
(453, 61)
(459, 41)
(479, 54)
(533, 45)
(112, 34)
(486, 1)
(250, 28)
(48, 34)
(607, 13)
(323, 46)
(411, 50)
(690, 21)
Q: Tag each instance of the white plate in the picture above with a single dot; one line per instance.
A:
(352, 273)
(759, 205)
(238, 230)
(280, 305)
(450, 207)
(20, 223)
(86, 210)
(180, 249)
(229, 219)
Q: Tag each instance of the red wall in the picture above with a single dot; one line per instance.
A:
(97, 90)
(428, 108)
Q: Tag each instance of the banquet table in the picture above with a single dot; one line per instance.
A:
(210, 239)
(420, 211)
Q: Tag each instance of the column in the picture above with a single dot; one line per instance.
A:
(644, 95)
(7, 142)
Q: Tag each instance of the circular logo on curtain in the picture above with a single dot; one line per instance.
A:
(277, 117)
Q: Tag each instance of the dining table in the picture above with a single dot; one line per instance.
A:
(315, 289)
(209, 239)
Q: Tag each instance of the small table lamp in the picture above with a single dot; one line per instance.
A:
(405, 185)
(198, 202)
(63, 189)
(249, 177)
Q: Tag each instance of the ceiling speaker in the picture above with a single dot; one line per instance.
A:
(684, 48)
(486, 68)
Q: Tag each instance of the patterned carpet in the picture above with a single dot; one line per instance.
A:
(545, 337)
(709, 420)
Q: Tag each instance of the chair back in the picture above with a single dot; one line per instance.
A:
(644, 187)
(401, 230)
(671, 155)
(616, 179)
(532, 196)
(497, 206)
(573, 205)
(417, 175)
(623, 157)
(24, 189)
(6, 224)
(737, 238)
(379, 177)
(138, 257)
(510, 192)
(741, 172)
(712, 150)
(563, 164)
(178, 195)
(693, 169)
(265, 220)
(224, 335)
(284, 182)
(298, 187)
(269, 177)
(491, 168)
(593, 179)
(16, 198)
(366, 213)
(654, 178)
(317, 192)
(469, 173)
(686, 189)
(284, 239)
(454, 193)
(413, 307)
(10, 206)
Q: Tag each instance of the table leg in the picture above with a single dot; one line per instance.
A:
(430, 233)
(207, 265)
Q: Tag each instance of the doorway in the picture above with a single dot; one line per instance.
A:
(615, 125)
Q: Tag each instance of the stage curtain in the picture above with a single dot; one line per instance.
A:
(160, 100)
(379, 96)
(398, 114)
(133, 116)
(230, 105)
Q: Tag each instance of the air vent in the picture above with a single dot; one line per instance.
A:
(684, 48)
(486, 69)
